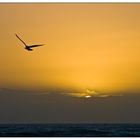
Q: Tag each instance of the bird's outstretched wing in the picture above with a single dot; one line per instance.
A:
(32, 46)
(21, 40)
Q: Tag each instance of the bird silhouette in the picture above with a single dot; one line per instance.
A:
(27, 47)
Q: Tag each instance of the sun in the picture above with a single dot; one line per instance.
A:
(87, 96)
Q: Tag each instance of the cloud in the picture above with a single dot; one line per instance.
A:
(90, 94)
(56, 107)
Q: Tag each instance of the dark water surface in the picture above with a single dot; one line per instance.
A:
(70, 130)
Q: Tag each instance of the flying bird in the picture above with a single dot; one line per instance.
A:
(27, 47)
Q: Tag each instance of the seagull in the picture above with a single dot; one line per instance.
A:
(27, 47)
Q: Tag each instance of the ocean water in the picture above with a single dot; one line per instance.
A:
(69, 130)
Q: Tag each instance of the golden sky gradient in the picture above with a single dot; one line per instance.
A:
(94, 46)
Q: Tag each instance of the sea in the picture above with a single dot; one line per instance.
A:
(69, 130)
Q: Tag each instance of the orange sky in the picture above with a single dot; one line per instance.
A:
(93, 46)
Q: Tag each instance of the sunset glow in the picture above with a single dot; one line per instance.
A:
(93, 46)
(73, 64)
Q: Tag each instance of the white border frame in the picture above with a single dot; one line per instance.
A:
(75, 1)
